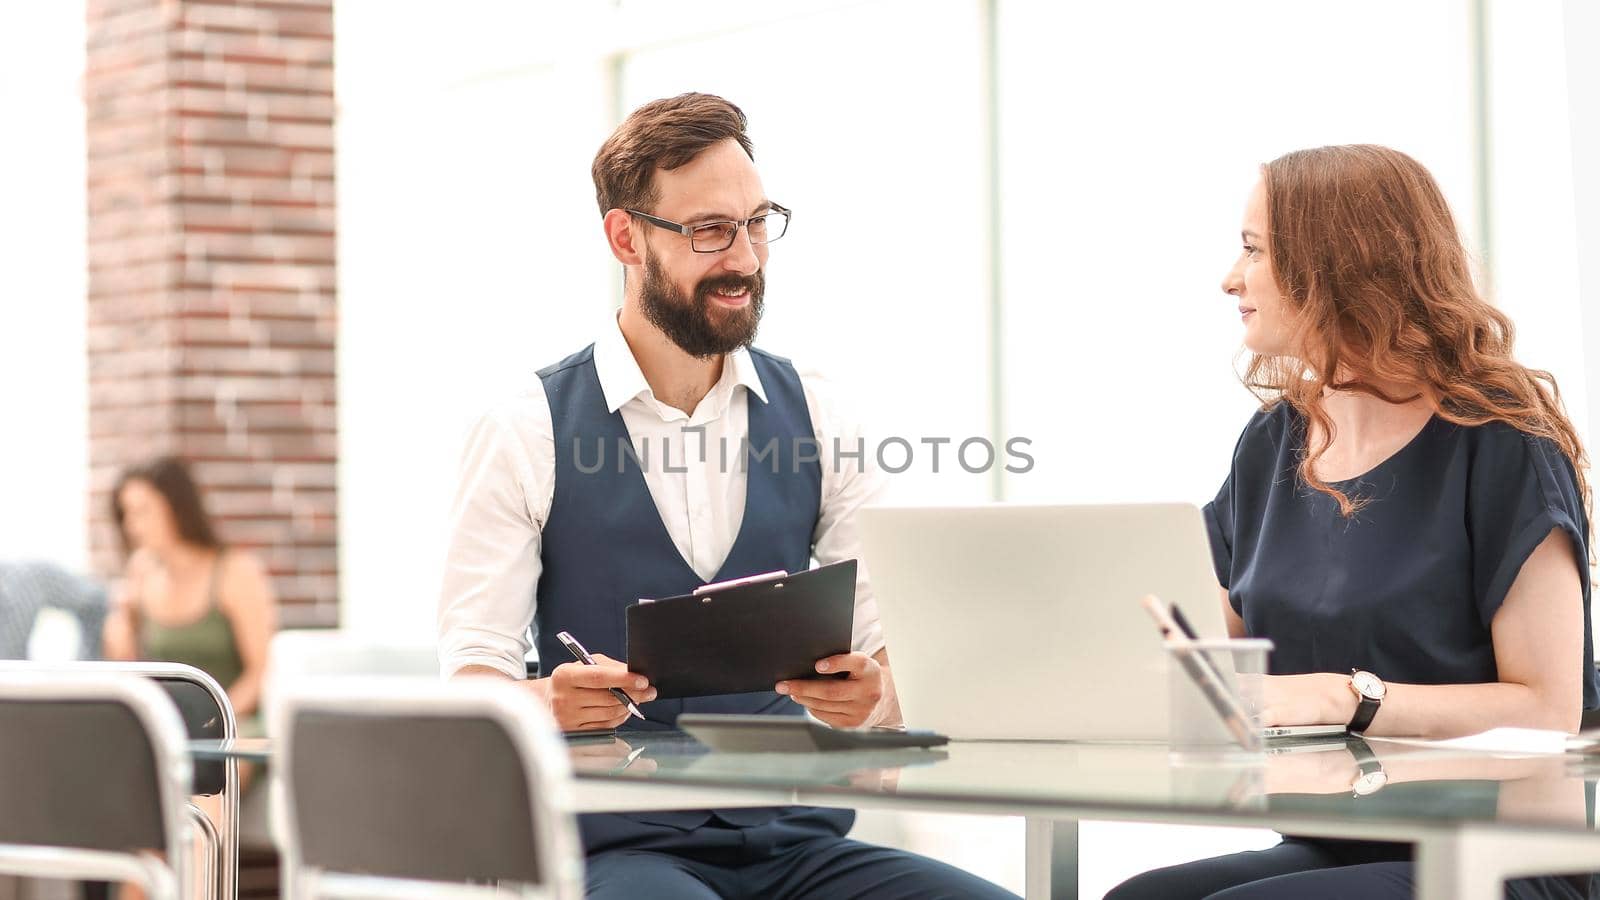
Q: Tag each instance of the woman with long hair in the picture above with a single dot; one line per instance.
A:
(188, 598)
(185, 596)
(1406, 517)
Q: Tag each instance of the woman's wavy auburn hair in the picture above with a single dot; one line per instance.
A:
(1366, 254)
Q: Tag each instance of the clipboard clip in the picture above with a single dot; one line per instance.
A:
(736, 582)
(712, 588)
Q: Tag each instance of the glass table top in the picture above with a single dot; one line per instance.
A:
(1322, 780)
(247, 749)
(1313, 780)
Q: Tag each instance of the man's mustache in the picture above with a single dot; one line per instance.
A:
(754, 283)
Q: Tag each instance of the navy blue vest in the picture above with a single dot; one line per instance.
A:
(604, 547)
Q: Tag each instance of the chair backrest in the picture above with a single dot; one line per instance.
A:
(206, 712)
(93, 766)
(422, 781)
(202, 704)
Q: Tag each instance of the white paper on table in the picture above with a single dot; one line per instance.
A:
(1498, 740)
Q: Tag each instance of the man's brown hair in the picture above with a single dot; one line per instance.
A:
(662, 134)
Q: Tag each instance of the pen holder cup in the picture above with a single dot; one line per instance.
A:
(1214, 689)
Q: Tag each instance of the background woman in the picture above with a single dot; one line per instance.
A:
(185, 597)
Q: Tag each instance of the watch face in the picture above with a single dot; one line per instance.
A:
(1370, 783)
(1368, 685)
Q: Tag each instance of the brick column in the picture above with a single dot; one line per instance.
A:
(212, 312)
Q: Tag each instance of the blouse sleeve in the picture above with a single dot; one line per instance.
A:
(1219, 528)
(1521, 488)
(1257, 438)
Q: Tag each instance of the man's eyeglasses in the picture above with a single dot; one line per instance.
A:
(715, 237)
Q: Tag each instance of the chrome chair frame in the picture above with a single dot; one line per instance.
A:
(543, 758)
(221, 838)
(159, 719)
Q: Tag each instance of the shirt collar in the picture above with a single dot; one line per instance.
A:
(744, 372)
(621, 379)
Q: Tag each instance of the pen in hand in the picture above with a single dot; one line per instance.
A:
(582, 655)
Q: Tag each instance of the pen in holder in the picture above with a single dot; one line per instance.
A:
(1215, 693)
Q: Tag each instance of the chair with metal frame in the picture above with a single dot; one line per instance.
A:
(412, 787)
(94, 775)
(206, 713)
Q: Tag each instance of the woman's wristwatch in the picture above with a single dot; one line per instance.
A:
(1370, 777)
(1369, 690)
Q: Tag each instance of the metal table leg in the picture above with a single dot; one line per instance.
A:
(228, 871)
(1052, 859)
(1473, 864)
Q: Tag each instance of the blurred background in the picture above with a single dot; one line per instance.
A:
(304, 243)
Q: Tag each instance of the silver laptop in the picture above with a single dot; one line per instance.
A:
(1023, 622)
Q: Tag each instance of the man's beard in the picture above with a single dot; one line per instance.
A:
(700, 327)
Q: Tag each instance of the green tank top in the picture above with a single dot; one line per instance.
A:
(207, 643)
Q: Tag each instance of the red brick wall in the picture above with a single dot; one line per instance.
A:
(212, 311)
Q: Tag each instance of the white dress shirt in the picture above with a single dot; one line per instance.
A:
(508, 479)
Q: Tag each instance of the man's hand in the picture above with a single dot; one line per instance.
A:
(580, 696)
(842, 703)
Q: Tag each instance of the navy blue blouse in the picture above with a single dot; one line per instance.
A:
(1408, 586)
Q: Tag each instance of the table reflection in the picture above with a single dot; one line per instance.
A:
(1422, 782)
(1374, 779)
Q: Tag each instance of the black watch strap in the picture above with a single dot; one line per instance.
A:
(1371, 778)
(1366, 760)
(1366, 710)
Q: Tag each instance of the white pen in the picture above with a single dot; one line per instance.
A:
(582, 655)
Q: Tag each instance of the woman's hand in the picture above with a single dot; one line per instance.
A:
(119, 636)
(1321, 698)
(1329, 771)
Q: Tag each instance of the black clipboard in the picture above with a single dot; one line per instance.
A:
(746, 637)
